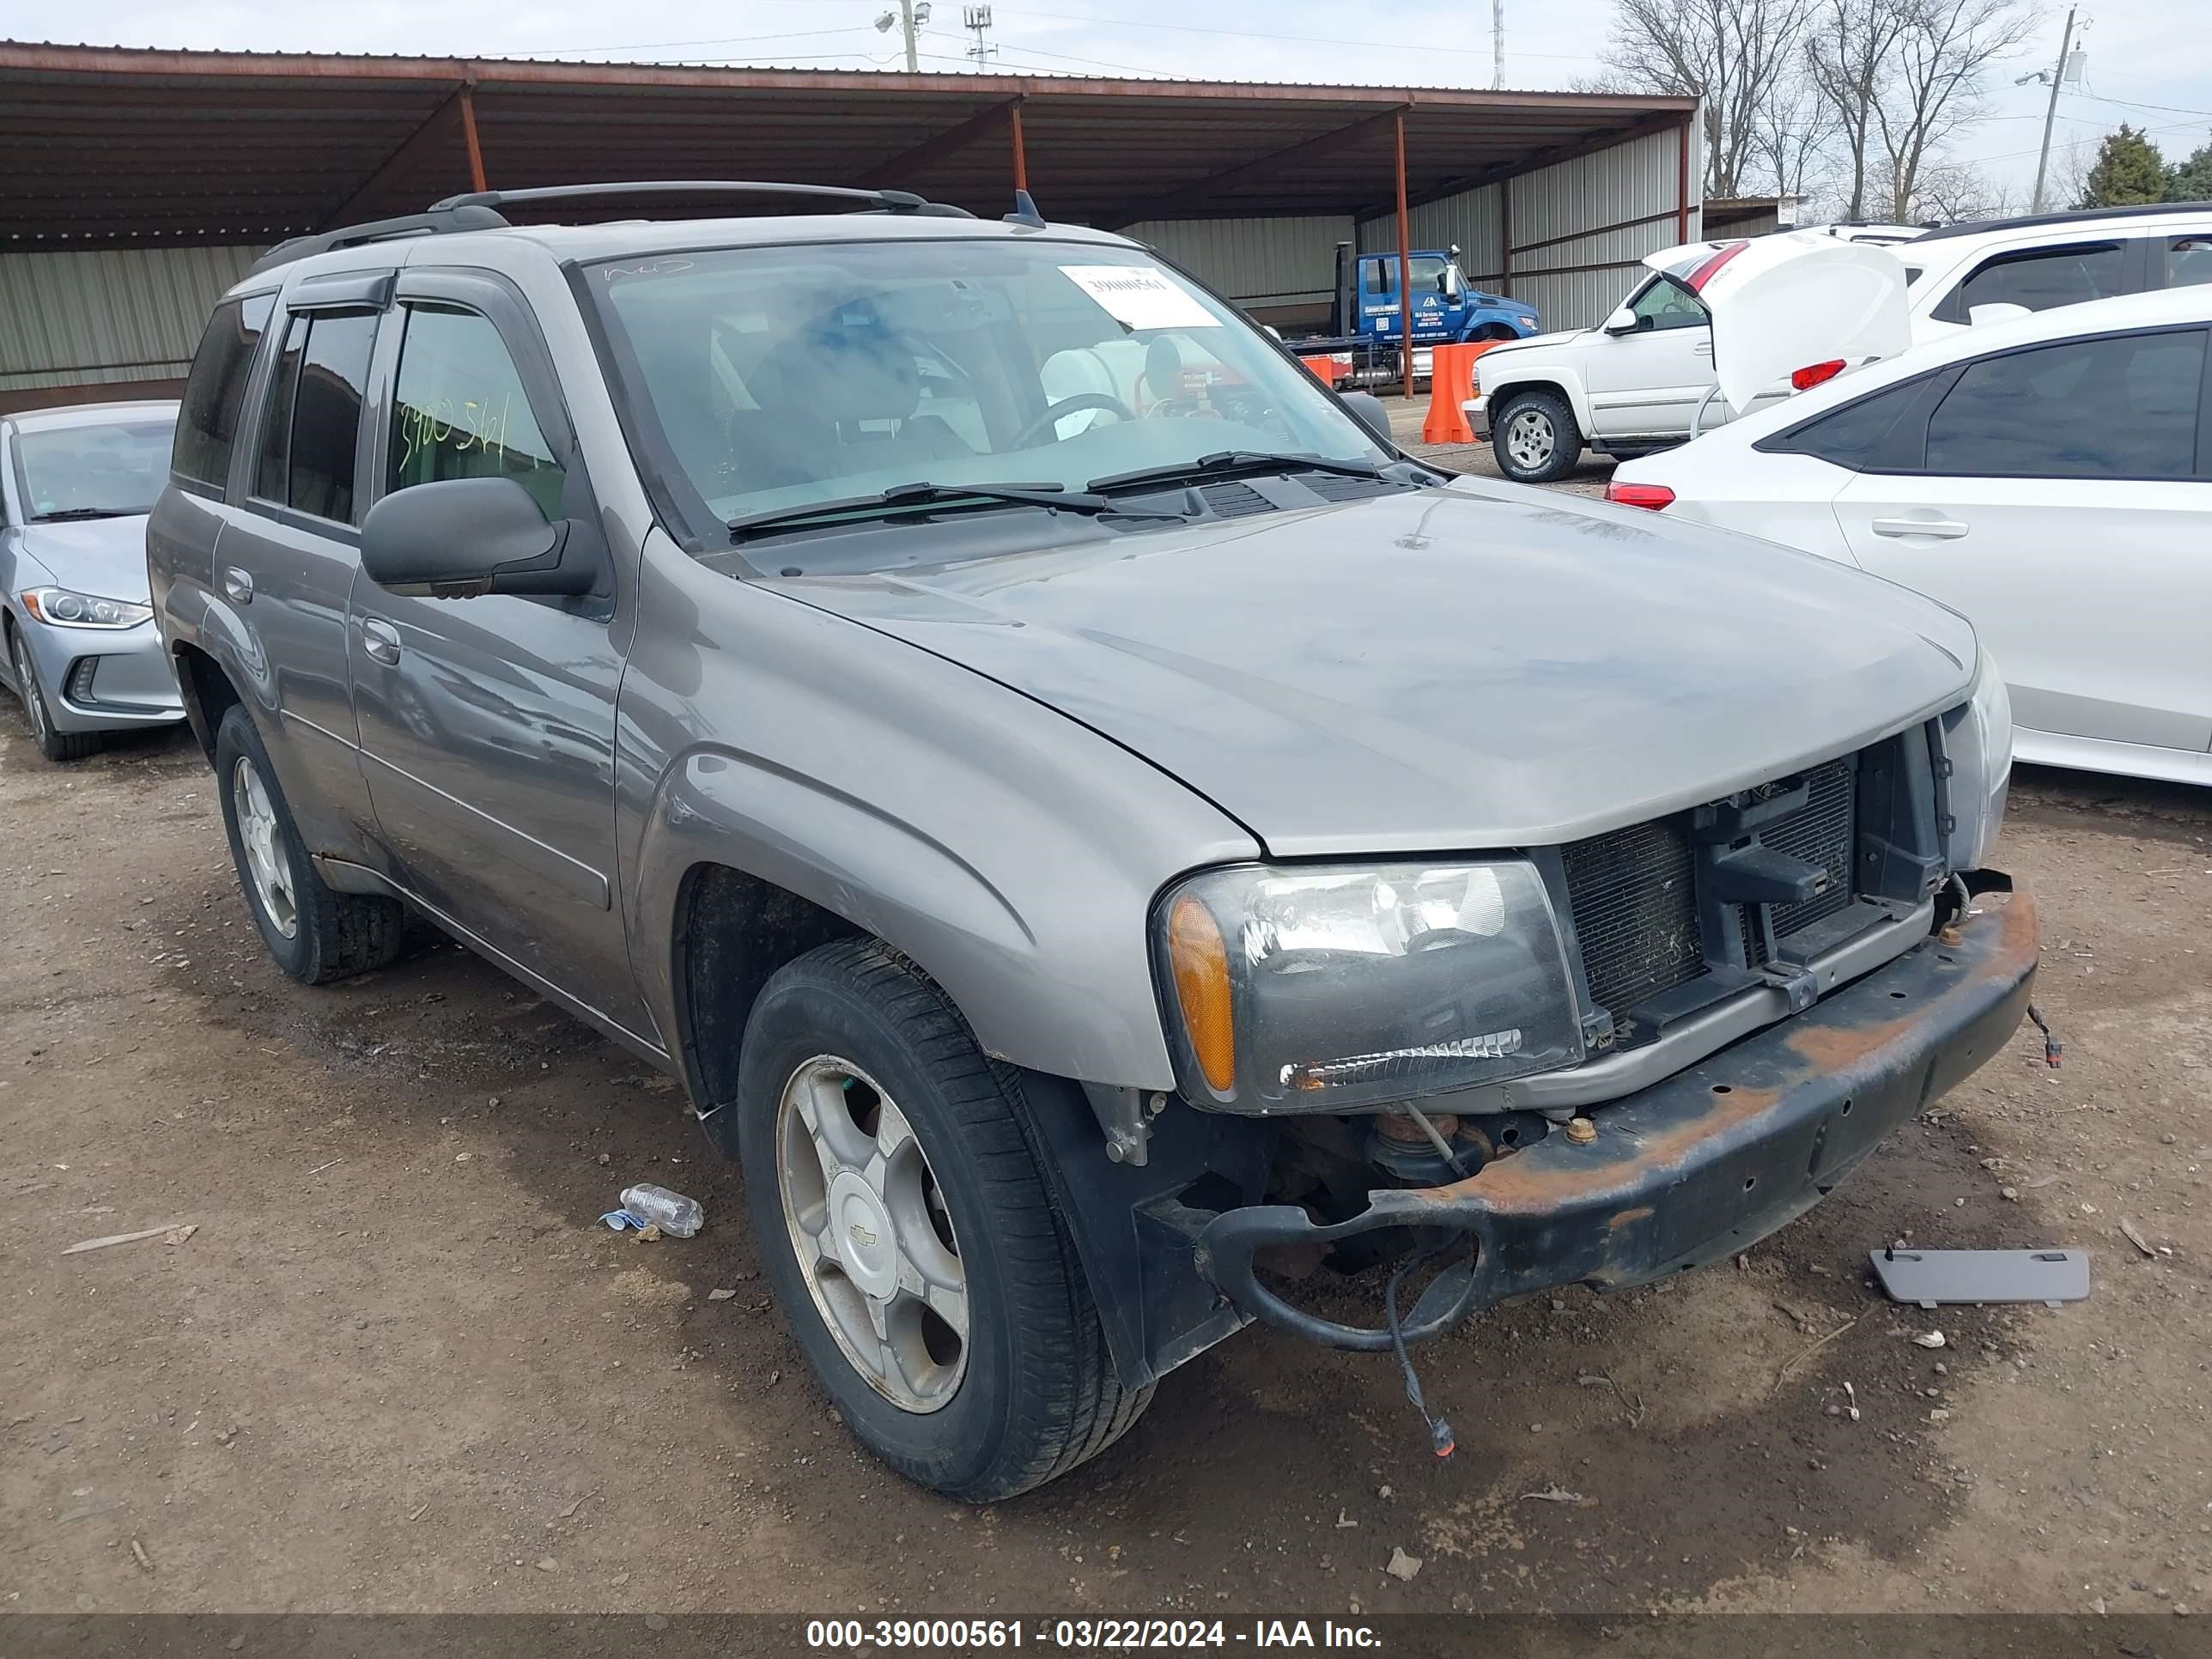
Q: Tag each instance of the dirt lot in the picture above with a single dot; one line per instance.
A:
(400, 1365)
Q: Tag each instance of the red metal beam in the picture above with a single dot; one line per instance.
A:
(950, 142)
(1682, 184)
(468, 137)
(398, 160)
(1405, 264)
(1021, 156)
(1505, 237)
(211, 67)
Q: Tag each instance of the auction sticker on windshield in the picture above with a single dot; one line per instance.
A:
(1140, 296)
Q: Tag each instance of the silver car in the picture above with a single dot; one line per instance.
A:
(82, 652)
(1075, 864)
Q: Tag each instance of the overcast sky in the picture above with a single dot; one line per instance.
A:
(2148, 62)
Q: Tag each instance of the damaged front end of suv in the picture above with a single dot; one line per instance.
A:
(1602, 1062)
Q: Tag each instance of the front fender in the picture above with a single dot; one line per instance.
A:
(1011, 852)
(1494, 379)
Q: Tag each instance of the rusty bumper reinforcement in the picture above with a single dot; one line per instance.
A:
(1695, 1168)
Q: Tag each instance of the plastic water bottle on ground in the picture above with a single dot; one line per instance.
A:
(674, 1214)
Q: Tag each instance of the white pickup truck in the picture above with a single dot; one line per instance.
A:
(1646, 377)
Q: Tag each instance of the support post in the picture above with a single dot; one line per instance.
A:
(1405, 266)
(1021, 153)
(469, 136)
(1682, 183)
(1505, 237)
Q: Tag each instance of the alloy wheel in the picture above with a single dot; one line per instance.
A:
(27, 681)
(871, 1233)
(267, 861)
(1529, 438)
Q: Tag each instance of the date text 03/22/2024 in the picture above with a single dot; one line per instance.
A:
(970, 1635)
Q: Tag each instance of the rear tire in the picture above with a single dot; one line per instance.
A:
(316, 933)
(1536, 437)
(852, 1045)
(54, 745)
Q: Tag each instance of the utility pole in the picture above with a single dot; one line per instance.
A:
(2050, 110)
(977, 19)
(908, 20)
(1496, 45)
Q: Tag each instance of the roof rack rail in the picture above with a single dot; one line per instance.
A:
(440, 220)
(883, 201)
(2026, 221)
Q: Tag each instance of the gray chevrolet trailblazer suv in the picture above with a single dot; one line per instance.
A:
(1095, 829)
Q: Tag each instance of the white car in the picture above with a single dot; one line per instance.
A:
(2049, 478)
(1636, 383)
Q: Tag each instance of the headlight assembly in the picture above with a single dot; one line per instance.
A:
(64, 608)
(1978, 738)
(1325, 989)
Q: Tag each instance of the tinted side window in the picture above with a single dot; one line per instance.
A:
(1851, 437)
(217, 388)
(327, 415)
(1668, 304)
(460, 411)
(277, 425)
(2047, 277)
(2188, 260)
(2111, 408)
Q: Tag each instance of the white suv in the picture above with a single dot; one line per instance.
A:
(1637, 383)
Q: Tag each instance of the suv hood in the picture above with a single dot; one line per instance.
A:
(102, 556)
(1476, 666)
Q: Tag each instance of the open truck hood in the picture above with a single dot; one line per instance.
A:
(1476, 666)
(1790, 301)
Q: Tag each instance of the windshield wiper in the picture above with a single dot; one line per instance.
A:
(1238, 461)
(71, 514)
(1058, 497)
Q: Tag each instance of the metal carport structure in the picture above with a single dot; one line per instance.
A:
(141, 181)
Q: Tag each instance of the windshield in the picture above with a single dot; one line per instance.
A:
(772, 378)
(107, 469)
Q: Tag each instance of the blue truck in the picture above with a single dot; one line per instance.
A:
(1448, 310)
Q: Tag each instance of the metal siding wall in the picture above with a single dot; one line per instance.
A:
(1626, 182)
(109, 315)
(1256, 262)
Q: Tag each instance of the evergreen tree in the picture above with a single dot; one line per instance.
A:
(2129, 170)
(2192, 180)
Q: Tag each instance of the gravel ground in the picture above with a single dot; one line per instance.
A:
(399, 1366)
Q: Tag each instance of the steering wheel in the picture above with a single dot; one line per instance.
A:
(1075, 406)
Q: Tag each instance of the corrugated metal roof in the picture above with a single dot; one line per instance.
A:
(114, 146)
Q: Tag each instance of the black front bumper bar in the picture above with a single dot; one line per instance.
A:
(1691, 1169)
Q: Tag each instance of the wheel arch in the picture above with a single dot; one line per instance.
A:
(1559, 385)
(207, 693)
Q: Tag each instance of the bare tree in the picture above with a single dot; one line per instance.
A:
(1736, 55)
(1793, 132)
(1940, 59)
(1949, 192)
(1848, 57)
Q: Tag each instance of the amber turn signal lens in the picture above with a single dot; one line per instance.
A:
(1199, 961)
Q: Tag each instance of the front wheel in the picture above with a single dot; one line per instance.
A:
(1536, 437)
(910, 1234)
(54, 745)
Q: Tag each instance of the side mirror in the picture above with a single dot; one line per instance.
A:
(1623, 321)
(1367, 408)
(459, 538)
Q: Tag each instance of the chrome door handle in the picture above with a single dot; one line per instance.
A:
(382, 641)
(237, 585)
(1940, 530)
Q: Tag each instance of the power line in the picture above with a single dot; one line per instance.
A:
(719, 40)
